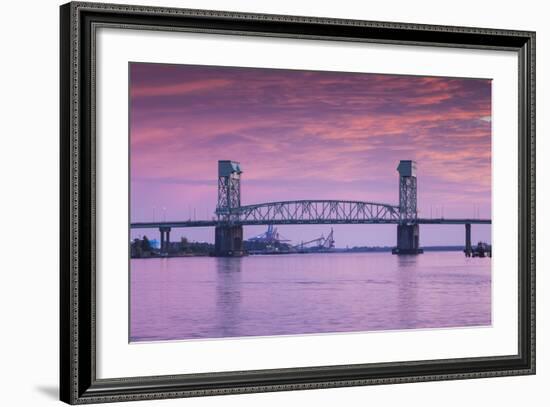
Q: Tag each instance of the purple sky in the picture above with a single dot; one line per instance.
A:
(308, 135)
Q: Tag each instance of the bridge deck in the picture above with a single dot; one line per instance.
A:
(211, 223)
(450, 221)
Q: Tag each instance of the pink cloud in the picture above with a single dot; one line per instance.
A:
(306, 135)
(179, 88)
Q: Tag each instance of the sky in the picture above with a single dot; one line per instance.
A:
(308, 135)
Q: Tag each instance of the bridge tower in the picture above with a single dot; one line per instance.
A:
(229, 237)
(408, 233)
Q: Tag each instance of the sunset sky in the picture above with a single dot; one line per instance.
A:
(308, 135)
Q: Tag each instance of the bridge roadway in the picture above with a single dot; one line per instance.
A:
(230, 221)
(211, 223)
(307, 212)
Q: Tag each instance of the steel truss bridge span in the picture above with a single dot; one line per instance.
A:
(211, 223)
(231, 216)
(311, 212)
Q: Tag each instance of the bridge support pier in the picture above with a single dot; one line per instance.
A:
(468, 243)
(229, 241)
(164, 238)
(408, 239)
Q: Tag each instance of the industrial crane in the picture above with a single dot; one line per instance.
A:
(323, 243)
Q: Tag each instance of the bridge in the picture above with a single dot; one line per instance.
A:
(231, 216)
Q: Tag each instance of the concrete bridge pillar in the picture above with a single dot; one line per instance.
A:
(164, 238)
(229, 241)
(408, 239)
(468, 243)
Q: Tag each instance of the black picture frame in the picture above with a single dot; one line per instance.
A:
(78, 382)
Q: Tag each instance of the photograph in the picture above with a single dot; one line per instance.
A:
(268, 202)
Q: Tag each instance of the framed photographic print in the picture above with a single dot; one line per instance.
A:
(255, 203)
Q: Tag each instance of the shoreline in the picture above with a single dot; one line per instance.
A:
(333, 251)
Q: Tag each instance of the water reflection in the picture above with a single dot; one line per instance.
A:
(228, 294)
(206, 297)
(407, 261)
(407, 284)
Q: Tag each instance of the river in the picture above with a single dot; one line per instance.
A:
(209, 297)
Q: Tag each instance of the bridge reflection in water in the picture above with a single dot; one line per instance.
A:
(231, 216)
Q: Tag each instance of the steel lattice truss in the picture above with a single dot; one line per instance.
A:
(407, 198)
(229, 194)
(315, 212)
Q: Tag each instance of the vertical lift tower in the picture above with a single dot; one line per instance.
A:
(407, 229)
(229, 237)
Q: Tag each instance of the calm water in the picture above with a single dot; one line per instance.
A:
(208, 297)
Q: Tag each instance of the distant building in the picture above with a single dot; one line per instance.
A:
(155, 243)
